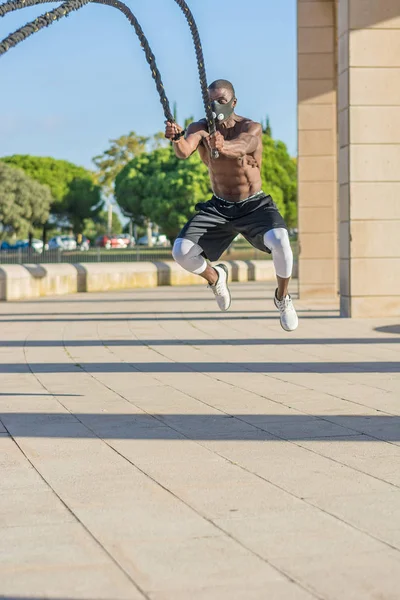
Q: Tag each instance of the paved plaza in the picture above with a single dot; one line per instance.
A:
(153, 447)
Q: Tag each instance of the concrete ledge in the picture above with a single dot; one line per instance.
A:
(104, 277)
(19, 282)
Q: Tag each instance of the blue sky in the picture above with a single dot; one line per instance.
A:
(70, 88)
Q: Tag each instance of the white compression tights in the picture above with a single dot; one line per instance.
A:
(188, 254)
(277, 240)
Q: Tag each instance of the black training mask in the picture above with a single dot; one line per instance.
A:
(222, 112)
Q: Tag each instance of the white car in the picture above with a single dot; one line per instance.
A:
(62, 242)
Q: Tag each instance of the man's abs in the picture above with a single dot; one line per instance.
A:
(235, 179)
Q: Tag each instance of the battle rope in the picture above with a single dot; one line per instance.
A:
(18, 4)
(71, 5)
(200, 63)
(43, 21)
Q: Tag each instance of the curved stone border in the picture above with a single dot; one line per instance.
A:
(19, 282)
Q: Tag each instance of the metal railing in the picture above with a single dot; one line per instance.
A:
(137, 254)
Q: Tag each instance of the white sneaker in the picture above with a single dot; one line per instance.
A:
(289, 319)
(220, 289)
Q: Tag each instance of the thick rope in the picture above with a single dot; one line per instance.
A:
(202, 69)
(43, 21)
(200, 63)
(67, 7)
(18, 4)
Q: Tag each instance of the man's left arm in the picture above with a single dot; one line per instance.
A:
(245, 143)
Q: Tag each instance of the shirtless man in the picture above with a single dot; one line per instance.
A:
(238, 205)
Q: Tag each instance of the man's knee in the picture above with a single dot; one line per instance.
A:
(188, 254)
(277, 240)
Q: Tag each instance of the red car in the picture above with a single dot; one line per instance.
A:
(103, 241)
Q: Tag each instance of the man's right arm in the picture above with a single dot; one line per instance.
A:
(189, 143)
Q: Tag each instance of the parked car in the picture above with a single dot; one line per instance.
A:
(125, 240)
(158, 240)
(37, 245)
(103, 241)
(62, 242)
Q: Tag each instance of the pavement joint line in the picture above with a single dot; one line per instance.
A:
(214, 378)
(269, 375)
(169, 491)
(152, 381)
(302, 499)
(98, 543)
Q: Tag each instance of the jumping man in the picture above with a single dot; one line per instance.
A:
(238, 204)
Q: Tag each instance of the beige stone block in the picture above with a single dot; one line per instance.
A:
(344, 240)
(316, 66)
(16, 283)
(374, 87)
(178, 276)
(317, 168)
(33, 281)
(344, 202)
(317, 193)
(378, 306)
(311, 292)
(343, 53)
(315, 40)
(376, 238)
(375, 124)
(343, 16)
(372, 13)
(317, 117)
(102, 277)
(313, 143)
(344, 165)
(343, 128)
(317, 271)
(366, 197)
(375, 162)
(344, 276)
(240, 270)
(375, 48)
(316, 91)
(343, 90)
(317, 245)
(317, 220)
(261, 270)
(375, 277)
(315, 14)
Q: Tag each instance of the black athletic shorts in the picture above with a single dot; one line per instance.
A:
(218, 222)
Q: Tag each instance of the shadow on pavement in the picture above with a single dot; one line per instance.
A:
(284, 341)
(206, 367)
(389, 329)
(179, 313)
(181, 317)
(10, 394)
(243, 427)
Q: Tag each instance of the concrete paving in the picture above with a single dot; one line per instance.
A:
(153, 447)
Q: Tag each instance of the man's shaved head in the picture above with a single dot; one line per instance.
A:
(222, 84)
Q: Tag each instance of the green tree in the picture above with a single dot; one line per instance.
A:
(121, 151)
(75, 195)
(24, 203)
(279, 178)
(98, 226)
(267, 127)
(159, 187)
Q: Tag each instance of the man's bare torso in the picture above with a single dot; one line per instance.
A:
(233, 179)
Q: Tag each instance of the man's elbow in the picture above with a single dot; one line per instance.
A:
(182, 154)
